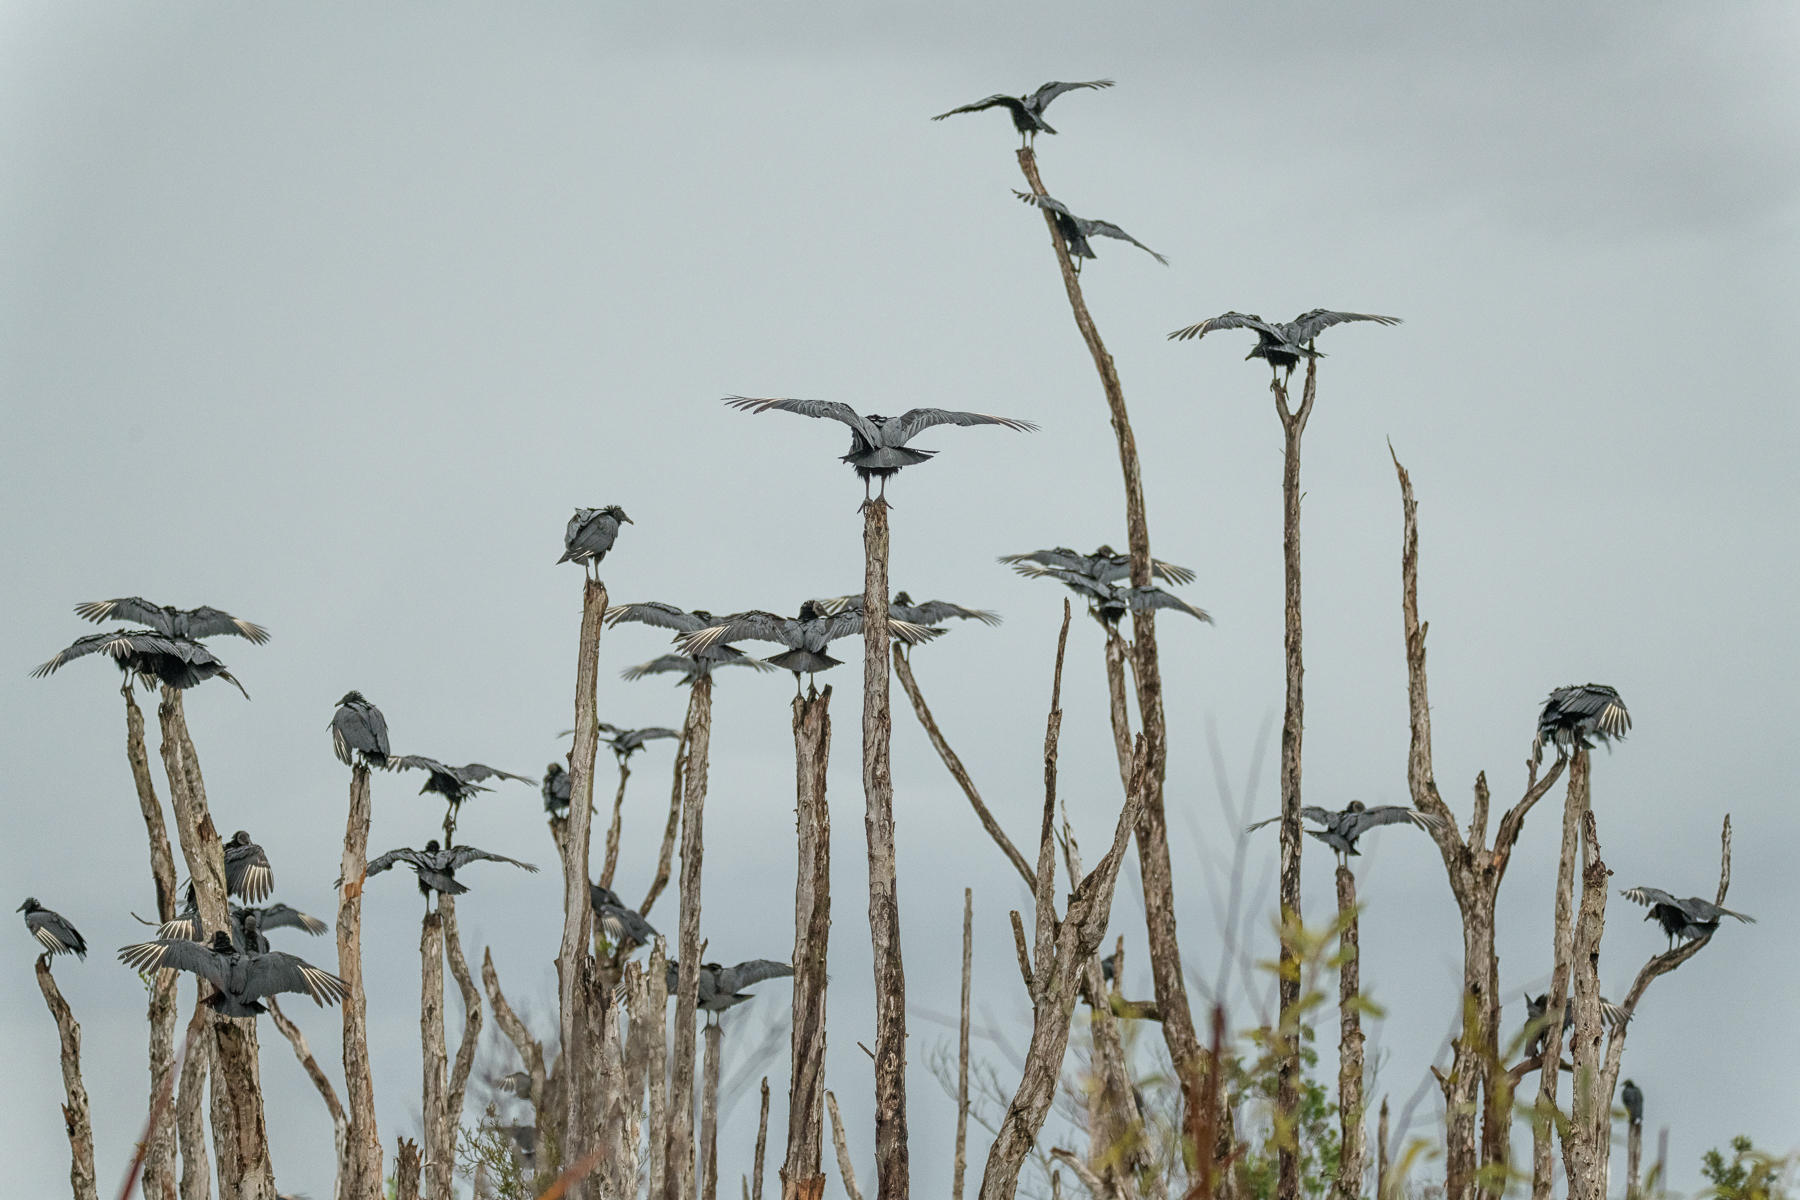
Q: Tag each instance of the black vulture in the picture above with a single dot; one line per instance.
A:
(242, 977)
(454, 784)
(150, 656)
(516, 1084)
(1027, 110)
(1632, 1097)
(187, 922)
(627, 742)
(1537, 1006)
(721, 987)
(556, 788)
(247, 870)
(1281, 345)
(878, 446)
(52, 929)
(1109, 602)
(1340, 830)
(359, 727)
(437, 867)
(807, 635)
(904, 608)
(590, 534)
(1686, 919)
(623, 925)
(668, 616)
(1077, 230)
(1109, 967)
(1578, 712)
(191, 623)
(1104, 565)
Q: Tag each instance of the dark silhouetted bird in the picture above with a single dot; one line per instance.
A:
(187, 923)
(1632, 1097)
(1578, 712)
(623, 925)
(247, 870)
(721, 987)
(1109, 602)
(1027, 111)
(690, 668)
(437, 867)
(1537, 1006)
(52, 929)
(1104, 565)
(454, 784)
(556, 789)
(1282, 345)
(191, 623)
(807, 636)
(904, 608)
(878, 446)
(1077, 230)
(148, 656)
(1341, 829)
(1686, 919)
(591, 533)
(358, 727)
(668, 616)
(627, 742)
(516, 1084)
(242, 977)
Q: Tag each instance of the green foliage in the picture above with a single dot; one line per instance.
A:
(1254, 1079)
(1751, 1174)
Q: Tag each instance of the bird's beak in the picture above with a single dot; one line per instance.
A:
(21, 908)
(626, 519)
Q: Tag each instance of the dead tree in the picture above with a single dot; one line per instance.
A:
(1353, 1133)
(801, 1178)
(1062, 949)
(1474, 869)
(190, 1117)
(1383, 1189)
(679, 1154)
(960, 1163)
(615, 826)
(340, 1121)
(408, 1169)
(762, 1142)
(360, 1173)
(655, 1050)
(709, 1116)
(838, 1142)
(240, 1133)
(1543, 1118)
(1185, 1052)
(471, 1032)
(666, 856)
(532, 1054)
(76, 1120)
(431, 1040)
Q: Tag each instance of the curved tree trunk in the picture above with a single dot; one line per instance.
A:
(76, 1120)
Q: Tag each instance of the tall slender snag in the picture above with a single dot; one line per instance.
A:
(666, 855)
(613, 828)
(960, 1162)
(471, 1030)
(1353, 1132)
(435, 1104)
(76, 1120)
(159, 1177)
(838, 1142)
(190, 1116)
(680, 1129)
(361, 1173)
(340, 1120)
(654, 1033)
(762, 1142)
(709, 1115)
(1563, 941)
(1583, 1161)
(801, 1178)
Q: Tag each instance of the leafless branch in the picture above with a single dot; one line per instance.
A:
(960, 1163)
(800, 1174)
(666, 855)
(76, 1121)
(613, 829)
(472, 1020)
(362, 1173)
(762, 1141)
(340, 1120)
(680, 1130)
(845, 1168)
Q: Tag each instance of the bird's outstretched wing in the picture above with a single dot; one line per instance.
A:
(378, 865)
(285, 916)
(830, 409)
(757, 626)
(176, 954)
(850, 622)
(733, 979)
(127, 608)
(419, 762)
(1230, 320)
(1061, 556)
(915, 420)
(248, 873)
(476, 772)
(1108, 229)
(655, 612)
(1649, 897)
(657, 731)
(1309, 325)
(1039, 200)
(278, 971)
(207, 621)
(1319, 816)
(1074, 578)
(1171, 572)
(1706, 910)
(831, 606)
(90, 644)
(1141, 599)
(1595, 701)
(1050, 91)
(1389, 814)
(996, 100)
(930, 612)
(1613, 1014)
(462, 855)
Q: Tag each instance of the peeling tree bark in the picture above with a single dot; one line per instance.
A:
(361, 1175)
(1583, 1160)
(76, 1120)
(1563, 942)
(471, 1031)
(709, 1116)
(801, 1178)
(616, 826)
(680, 1129)
(437, 1135)
(1353, 1154)
(408, 1167)
(666, 855)
(159, 1178)
(960, 1163)
(190, 1120)
(340, 1121)
(656, 1050)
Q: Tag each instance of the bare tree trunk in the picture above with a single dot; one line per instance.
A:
(408, 1167)
(616, 827)
(903, 670)
(1543, 1124)
(845, 1168)
(1353, 1155)
(1584, 1162)
(666, 855)
(680, 1130)
(361, 1174)
(709, 1115)
(471, 1030)
(573, 963)
(1634, 1153)
(801, 1178)
(431, 1038)
(656, 1050)
(762, 1142)
(190, 1120)
(1118, 705)
(960, 1163)
(1383, 1186)
(76, 1121)
(891, 1160)
(1183, 1041)
(159, 1159)
(245, 1172)
(340, 1121)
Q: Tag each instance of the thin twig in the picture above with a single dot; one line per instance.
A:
(845, 1169)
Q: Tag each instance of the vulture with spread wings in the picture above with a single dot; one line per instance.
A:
(191, 623)
(693, 666)
(1109, 602)
(1281, 344)
(1687, 919)
(1340, 830)
(1077, 230)
(1027, 111)
(1578, 712)
(454, 784)
(807, 636)
(242, 977)
(149, 656)
(1104, 565)
(904, 608)
(437, 866)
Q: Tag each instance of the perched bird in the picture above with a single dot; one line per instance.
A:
(690, 668)
(878, 446)
(242, 977)
(1342, 829)
(623, 925)
(1536, 1007)
(807, 635)
(1109, 966)
(667, 616)
(1077, 230)
(1686, 919)
(191, 623)
(1028, 110)
(556, 788)
(1104, 565)
(627, 742)
(1578, 712)
(1632, 1097)
(516, 1084)
(1281, 345)
(721, 987)
(903, 608)
(454, 784)
(52, 929)
(359, 727)
(187, 923)
(591, 533)
(247, 870)
(149, 656)
(437, 866)
(1109, 602)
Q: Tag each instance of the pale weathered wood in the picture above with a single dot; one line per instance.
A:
(470, 1041)
(1563, 945)
(1352, 1129)
(709, 1115)
(159, 1180)
(1383, 1185)
(666, 855)
(340, 1120)
(680, 1129)
(762, 1141)
(615, 827)
(77, 1122)
(408, 1171)
(801, 1178)
(438, 1135)
(656, 1050)
(845, 1168)
(190, 1114)
(959, 1164)
(362, 1173)
(1583, 1161)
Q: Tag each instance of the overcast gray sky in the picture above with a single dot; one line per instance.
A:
(329, 316)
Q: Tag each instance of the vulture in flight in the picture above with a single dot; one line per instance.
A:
(1077, 230)
(1027, 111)
(52, 929)
(590, 534)
(1281, 344)
(242, 977)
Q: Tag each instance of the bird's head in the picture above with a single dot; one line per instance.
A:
(249, 921)
(617, 514)
(877, 419)
(221, 942)
(810, 610)
(432, 846)
(240, 838)
(1356, 806)
(1104, 551)
(352, 698)
(30, 905)
(554, 768)
(703, 615)
(1629, 1084)
(902, 598)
